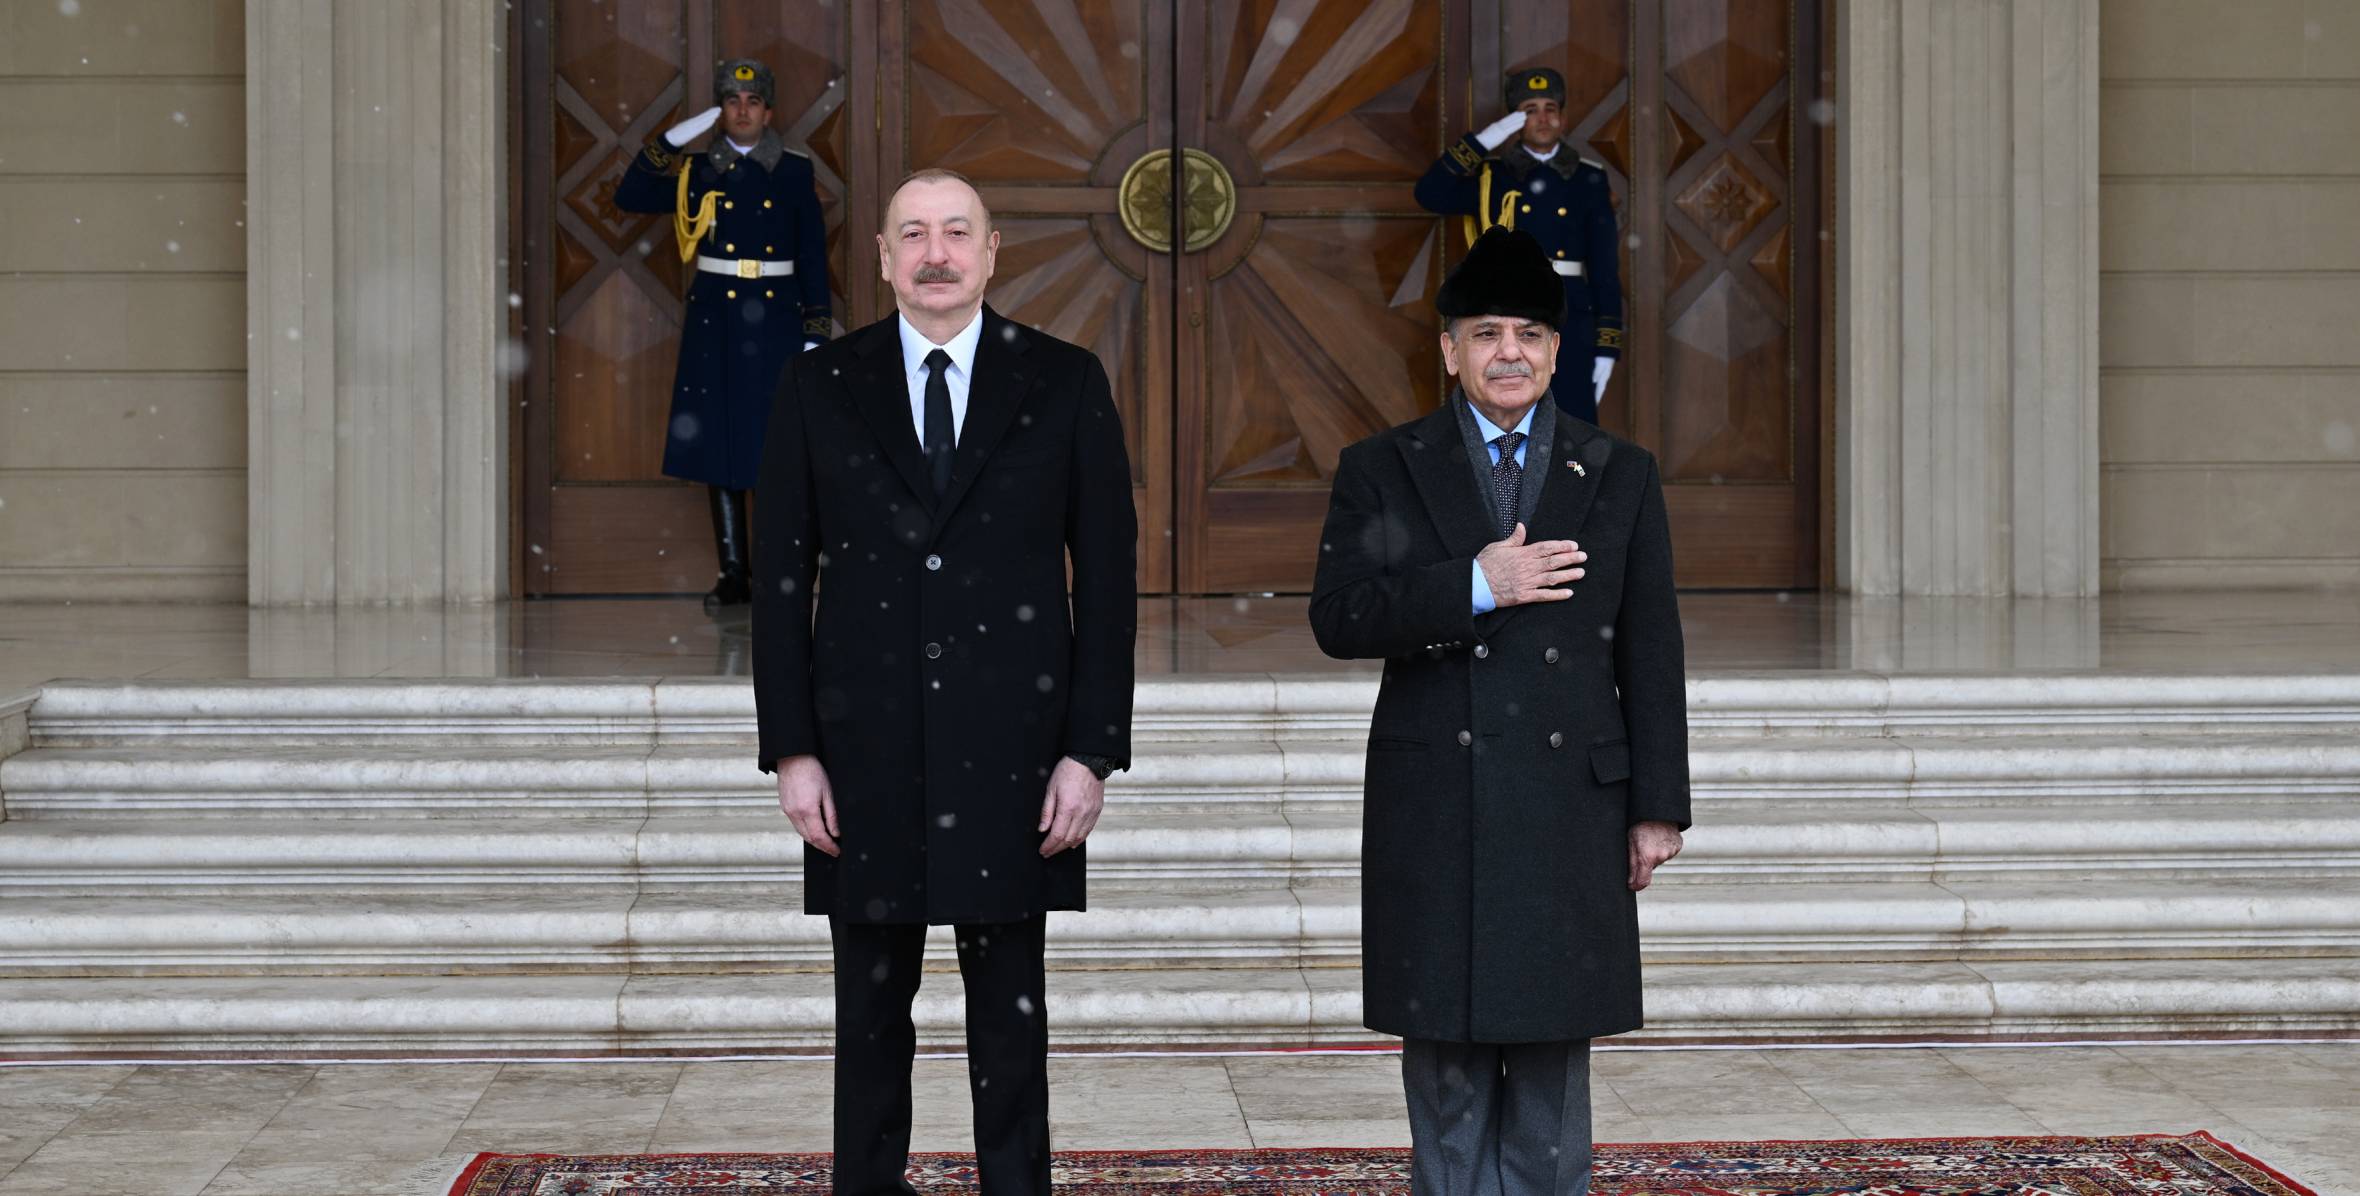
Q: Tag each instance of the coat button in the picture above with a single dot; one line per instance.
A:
(933, 564)
(1466, 737)
(1482, 651)
(1549, 657)
(729, 205)
(1560, 211)
(766, 203)
(934, 651)
(1556, 739)
(729, 248)
(1527, 208)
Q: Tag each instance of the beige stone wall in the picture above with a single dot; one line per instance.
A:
(122, 300)
(2229, 234)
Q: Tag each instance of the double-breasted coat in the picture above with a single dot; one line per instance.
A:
(946, 670)
(737, 331)
(1509, 752)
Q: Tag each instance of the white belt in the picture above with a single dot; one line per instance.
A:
(1568, 269)
(744, 267)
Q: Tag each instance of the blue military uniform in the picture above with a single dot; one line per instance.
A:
(750, 221)
(761, 291)
(1565, 203)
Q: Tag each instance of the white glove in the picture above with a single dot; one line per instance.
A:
(1601, 370)
(1497, 132)
(808, 346)
(689, 130)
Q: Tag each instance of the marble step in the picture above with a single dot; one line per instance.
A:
(1230, 707)
(381, 781)
(1800, 924)
(378, 1016)
(1146, 848)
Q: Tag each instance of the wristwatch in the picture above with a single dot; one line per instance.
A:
(1101, 767)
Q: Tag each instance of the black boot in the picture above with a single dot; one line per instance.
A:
(729, 542)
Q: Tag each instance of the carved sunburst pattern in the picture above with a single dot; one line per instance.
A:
(1327, 89)
(1053, 276)
(1324, 332)
(1022, 90)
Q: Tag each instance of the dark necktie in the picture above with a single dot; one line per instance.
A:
(1507, 482)
(938, 420)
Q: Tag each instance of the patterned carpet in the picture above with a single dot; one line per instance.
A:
(2142, 1165)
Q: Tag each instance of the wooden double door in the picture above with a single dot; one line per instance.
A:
(1215, 196)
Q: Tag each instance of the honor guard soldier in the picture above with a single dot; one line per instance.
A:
(746, 213)
(1538, 186)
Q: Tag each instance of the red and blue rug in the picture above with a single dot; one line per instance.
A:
(2138, 1165)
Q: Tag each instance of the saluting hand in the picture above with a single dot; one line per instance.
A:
(810, 804)
(1518, 572)
(689, 130)
(1070, 812)
(1652, 843)
(1497, 132)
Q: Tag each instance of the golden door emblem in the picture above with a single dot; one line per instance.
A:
(1209, 199)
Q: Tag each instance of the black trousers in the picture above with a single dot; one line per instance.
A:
(877, 974)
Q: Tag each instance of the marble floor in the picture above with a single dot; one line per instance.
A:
(2222, 632)
(364, 1130)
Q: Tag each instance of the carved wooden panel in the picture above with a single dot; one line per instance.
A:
(1310, 323)
(1726, 322)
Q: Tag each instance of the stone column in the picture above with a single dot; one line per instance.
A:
(378, 421)
(1967, 332)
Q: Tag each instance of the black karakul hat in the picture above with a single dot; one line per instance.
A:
(1505, 273)
(747, 75)
(1534, 83)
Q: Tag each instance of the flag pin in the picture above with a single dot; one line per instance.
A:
(1577, 469)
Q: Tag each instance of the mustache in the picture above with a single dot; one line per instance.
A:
(1508, 369)
(935, 274)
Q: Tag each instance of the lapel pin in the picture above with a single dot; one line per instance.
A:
(1577, 469)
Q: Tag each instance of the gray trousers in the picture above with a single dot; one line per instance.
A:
(1498, 1120)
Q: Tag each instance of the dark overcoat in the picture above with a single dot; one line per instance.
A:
(1509, 752)
(1567, 205)
(736, 333)
(946, 672)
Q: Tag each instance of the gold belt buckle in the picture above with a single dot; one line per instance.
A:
(749, 267)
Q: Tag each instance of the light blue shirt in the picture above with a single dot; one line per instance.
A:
(915, 347)
(1481, 592)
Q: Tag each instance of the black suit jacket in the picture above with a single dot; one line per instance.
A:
(945, 672)
(1510, 752)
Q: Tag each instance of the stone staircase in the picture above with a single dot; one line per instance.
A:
(561, 867)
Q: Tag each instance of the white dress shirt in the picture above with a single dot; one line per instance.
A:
(914, 370)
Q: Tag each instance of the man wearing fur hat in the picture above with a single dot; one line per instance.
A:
(1518, 173)
(745, 213)
(1528, 759)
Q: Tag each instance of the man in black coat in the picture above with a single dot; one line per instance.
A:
(943, 731)
(747, 215)
(1528, 758)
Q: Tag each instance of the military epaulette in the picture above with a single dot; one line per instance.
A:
(792, 150)
(1592, 162)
